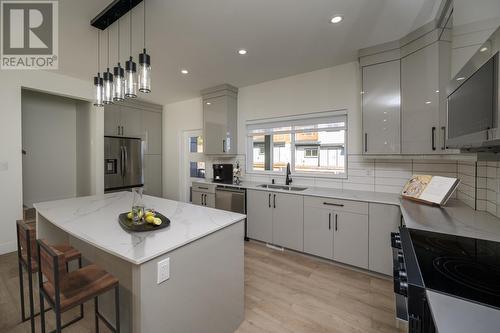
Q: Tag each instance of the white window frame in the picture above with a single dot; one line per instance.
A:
(303, 118)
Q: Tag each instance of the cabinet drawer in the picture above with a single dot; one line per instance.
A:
(337, 204)
(204, 187)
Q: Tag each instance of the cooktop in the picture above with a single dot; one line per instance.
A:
(460, 266)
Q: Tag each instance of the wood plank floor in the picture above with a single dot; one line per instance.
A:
(285, 292)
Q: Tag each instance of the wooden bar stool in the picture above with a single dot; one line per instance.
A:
(27, 260)
(63, 290)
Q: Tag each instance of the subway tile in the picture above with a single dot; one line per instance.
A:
(466, 199)
(491, 184)
(491, 208)
(468, 180)
(481, 171)
(391, 181)
(435, 167)
(491, 196)
(492, 164)
(393, 173)
(481, 182)
(481, 194)
(481, 205)
(360, 172)
(491, 172)
(331, 183)
(388, 189)
(469, 170)
(469, 190)
(359, 180)
(358, 187)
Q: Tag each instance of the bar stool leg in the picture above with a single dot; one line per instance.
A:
(96, 311)
(58, 320)
(42, 312)
(21, 291)
(117, 309)
(32, 305)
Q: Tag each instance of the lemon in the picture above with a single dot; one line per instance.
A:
(129, 216)
(157, 221)
(149, 213)
(150, 218)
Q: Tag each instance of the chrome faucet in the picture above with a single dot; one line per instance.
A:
(288, 174)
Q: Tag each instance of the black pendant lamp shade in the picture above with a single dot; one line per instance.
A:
(119, 79)
(98, 84)
(130, 78)
(108, 87)
(144, 72)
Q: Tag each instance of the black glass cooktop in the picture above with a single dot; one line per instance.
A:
(465, 267)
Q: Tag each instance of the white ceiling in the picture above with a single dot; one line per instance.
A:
(283, 37)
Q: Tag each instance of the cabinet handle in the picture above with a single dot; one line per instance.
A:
(366, 142)
(433, 134)
(333, 204)
(443, 128)
(223, 146)
(118, 130)
(336, 222)
(274, 201)
(269, 200)
(203, 188)
(204, 199)
(329, 221)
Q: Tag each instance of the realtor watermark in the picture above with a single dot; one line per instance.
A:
(29, 37)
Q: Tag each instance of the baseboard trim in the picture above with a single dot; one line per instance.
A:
(7, 247)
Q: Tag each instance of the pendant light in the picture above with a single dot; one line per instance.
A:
(98, 82)
(119, 79)
(144, 64)
(108, 82)
(130, 68)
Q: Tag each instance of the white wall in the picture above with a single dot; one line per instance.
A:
(11, 195)
(326, 89)
(177, 117)
(322, 90)
(49, 139)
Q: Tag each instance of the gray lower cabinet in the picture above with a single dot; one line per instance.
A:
(197, 198)
(259, 216)
(384, 219)
(288, 221)
(276, 218)
(203, 199)
(350, 239)
(318, 231)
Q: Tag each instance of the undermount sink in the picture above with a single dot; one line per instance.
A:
(282, 187)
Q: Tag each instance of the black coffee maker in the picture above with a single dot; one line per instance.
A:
(223, 173)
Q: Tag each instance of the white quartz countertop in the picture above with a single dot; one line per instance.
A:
(94, 220)
(456, 218)
(454, 315)
(365, 196)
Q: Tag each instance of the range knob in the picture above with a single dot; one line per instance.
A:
(402, 275)
(395, 240)
(403, 288)
(401, 258)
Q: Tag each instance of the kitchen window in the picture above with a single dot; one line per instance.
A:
(313, 145)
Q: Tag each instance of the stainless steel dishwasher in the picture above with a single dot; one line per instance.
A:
(232, 199)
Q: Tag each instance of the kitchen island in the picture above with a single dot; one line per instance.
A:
(204, 246)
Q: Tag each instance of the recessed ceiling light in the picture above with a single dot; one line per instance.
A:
(437, 91)
(184, 71)
(242, 51)
(460, 78)
(208, 103)
(483, 49)
(428, 102)
(336, 19)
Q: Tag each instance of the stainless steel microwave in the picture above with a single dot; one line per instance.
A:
(473, 100)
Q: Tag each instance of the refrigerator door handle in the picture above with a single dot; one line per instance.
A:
(125, 166)
(122, 173)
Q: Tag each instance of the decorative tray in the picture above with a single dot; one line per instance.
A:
(129, 225)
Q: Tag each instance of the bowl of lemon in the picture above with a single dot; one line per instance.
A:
(151, 218)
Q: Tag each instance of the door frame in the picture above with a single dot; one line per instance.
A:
(185, 157)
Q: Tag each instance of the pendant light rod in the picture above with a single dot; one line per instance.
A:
(112, 13)
(98, 51)
(144, 30)
(130, 14)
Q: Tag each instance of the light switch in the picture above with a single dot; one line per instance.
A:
(163, 270)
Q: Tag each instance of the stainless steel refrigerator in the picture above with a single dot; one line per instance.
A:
(122, 163)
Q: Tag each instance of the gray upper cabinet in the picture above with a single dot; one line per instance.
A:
(381, 108)
(220, 120)
(112, 123)
(404, 97)
(424, 75)
(152, 125)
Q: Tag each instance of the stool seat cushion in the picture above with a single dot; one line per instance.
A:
(82, 285)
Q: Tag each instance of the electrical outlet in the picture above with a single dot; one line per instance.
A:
(163, 270)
